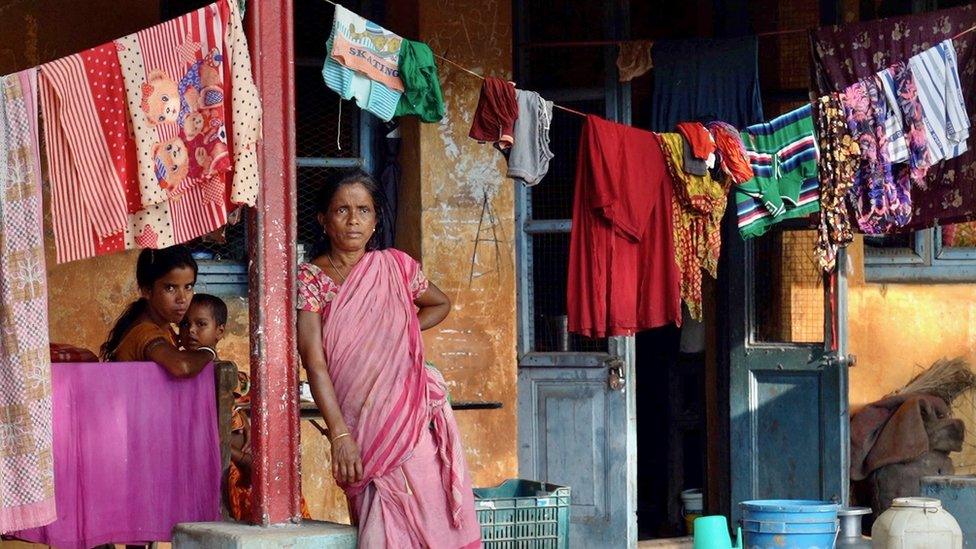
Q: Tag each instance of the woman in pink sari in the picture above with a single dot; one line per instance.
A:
(396, 450)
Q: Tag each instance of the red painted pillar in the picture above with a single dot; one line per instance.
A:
(271, 273)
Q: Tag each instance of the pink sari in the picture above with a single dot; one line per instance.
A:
(416, 491)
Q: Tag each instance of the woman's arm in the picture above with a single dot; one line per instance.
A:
(347, 467)
(178, 363)
(434, 307)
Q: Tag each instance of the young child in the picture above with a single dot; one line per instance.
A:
(204, 322)
(204, 326)
(144, 331)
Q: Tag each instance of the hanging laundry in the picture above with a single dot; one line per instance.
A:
(690, 163)
(702, 145)
(422, 94)
(363, 63)
(908, 143)
(943, 106)
(733, 160)
(634, 59)
(838, 161)
(494, 118)
(133, 456)
(529, 155)
(783, 155)
(622, 271)
(174, 84)
(89, 112)
(27, 488)
(881, 202)
(701, 79)
(245, 112)
(699, 148)
(366, 48)
(848, 53)
(698, 206)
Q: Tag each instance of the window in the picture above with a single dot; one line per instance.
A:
(942, 254)
(545, 211)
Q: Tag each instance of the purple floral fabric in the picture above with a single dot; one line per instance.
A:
(914, 126)
(880, 201)
(843, 55)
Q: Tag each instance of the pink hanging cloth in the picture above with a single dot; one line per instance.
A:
(133, 457)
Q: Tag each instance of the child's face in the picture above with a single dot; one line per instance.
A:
(199, 329)
(170, 296)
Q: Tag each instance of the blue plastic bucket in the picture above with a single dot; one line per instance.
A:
(789, 524)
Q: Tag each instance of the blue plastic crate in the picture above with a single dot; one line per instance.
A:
(523, 514)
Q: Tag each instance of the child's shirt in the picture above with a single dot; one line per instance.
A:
(136, 341)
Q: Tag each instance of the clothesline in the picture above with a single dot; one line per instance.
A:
(612, 42)
(618, 42)
(476, 75)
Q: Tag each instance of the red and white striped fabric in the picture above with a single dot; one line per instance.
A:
(88, 202)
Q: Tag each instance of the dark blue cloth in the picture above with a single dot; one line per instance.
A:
(706, 79)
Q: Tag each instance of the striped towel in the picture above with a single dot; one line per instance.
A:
(783, 157)
(936, 74)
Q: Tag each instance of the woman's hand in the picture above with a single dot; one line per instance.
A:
(347, 466)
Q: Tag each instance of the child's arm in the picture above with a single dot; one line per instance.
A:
(178, 363)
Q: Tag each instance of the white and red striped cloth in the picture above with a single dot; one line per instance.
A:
(137, 143)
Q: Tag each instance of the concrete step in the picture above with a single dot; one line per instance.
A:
(310, 534)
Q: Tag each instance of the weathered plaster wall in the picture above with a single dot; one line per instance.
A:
(896, 330)
(468, 227)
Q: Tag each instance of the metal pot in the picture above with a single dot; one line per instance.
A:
(850, 528)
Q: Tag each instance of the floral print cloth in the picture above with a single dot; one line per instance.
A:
(698, 207)
(899, 84)
(839, 154)
(846, 54)
(885, 117)
(26, 439)
(880, 202)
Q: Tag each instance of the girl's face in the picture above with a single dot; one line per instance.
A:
(170, 296)
(351, 219)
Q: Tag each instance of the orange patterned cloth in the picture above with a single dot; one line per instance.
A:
(698, 207)
(239, 484)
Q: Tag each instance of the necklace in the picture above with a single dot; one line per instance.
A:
(336, 269)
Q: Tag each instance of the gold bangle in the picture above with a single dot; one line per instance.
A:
(337, 437)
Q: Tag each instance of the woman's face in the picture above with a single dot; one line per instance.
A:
(170, 296)
(351, 219)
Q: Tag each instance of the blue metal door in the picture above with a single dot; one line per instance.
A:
(576, 408)
(788, 385)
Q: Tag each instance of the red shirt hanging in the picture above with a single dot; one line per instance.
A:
(622, 271)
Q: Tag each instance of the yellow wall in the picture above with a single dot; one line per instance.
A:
(476, 346)
(896, 330)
